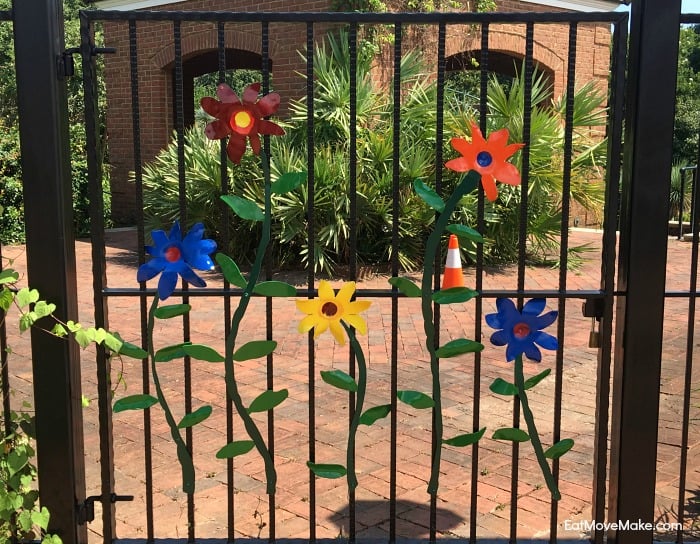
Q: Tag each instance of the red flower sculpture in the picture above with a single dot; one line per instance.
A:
(241, 119)
(488, 158)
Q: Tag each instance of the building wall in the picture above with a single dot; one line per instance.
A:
(155, 59)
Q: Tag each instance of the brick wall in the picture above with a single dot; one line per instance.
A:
(156, 57)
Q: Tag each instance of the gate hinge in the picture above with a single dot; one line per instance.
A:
(86, 511)
(66, 63)
(594, 307)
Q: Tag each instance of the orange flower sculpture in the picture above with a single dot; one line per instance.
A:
(488, 158)
(241, 119)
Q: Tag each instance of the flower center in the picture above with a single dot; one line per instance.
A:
(172, 254)
(241, 120)
(521, 330)
(329, 309)
(484, 159)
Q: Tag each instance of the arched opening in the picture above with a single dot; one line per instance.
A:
(203, 63)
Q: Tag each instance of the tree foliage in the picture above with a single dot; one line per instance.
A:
(687, 123)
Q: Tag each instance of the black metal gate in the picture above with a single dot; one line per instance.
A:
(304, 507)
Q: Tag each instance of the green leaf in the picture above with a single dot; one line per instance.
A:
(41, 519)
(59, 330)
(327, 471)
(244, 208)
(72, 326)
(267, 400)
(275, 289)
(463, 440)
(84, 337)
(465, 233)
(339, 379)
(6, 298)
(84, 401)
(130, 350)
(16, 461)
(532, 382)
(134, 402)
(429, 196)
(24, 520)
(231, 271)
(112, 342)
(254, 350)
(406, 286)
(169, 353)
(233, 449)
(25, 296)
(26, 321)
(374, 414)
(288, 182)
(191, 419)
(514, 435)
(51, 539)
(454, 294)
(100, 335)
(416, 399)
(203, 353)
(458, 347)
(559, 449)
(502, 387)
(8, 276)
(174, 310)
(42, 308)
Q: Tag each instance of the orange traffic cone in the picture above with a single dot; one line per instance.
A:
(453, 276)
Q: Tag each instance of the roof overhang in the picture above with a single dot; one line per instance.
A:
(574, 5)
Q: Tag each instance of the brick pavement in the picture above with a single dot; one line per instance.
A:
(493, 501)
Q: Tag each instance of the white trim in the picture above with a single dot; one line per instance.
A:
(126, 5)
(578, 5)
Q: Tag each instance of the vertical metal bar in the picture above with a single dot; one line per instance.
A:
(479, 273)
(99, 277)
(311, 246)
(563, 263)
(352, 37)
(680, 205)
(180, 132)
(51, 269)
(265, 59)
(4, 368)
(607, 273)
(642, 266)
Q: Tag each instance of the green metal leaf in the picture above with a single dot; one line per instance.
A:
(191, 419)
(327, 471)
(454, 294)
(416, 399)
(406, 286)
(514, 435)
(465, 233)
(233, 449)
(429, 196)
(275, 289)
(458, 347)
(267, 400)
(374, 414)
(134, 402)
(559, 449)
(532, 382)
(502, 387)
(202, 353)
(231, 271)
(244, 208)
(169, 353)
(463, 440)
(174, 310)
(288, 182)
(254, 350)
(339, 379)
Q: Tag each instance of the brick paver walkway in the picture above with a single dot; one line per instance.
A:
(414, 437)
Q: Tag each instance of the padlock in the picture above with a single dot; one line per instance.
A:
(594, 336)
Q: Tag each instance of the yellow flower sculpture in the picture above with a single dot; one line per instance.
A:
(329, 309)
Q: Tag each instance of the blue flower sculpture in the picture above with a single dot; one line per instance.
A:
(172, 255)
(522, 331)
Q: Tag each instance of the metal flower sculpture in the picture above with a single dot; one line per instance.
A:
(174, 255)
(488, 158)
(521, 332)
(241, 119)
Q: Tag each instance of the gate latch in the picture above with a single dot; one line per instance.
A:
(86, 511)
(66, 63)
(594, 308)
